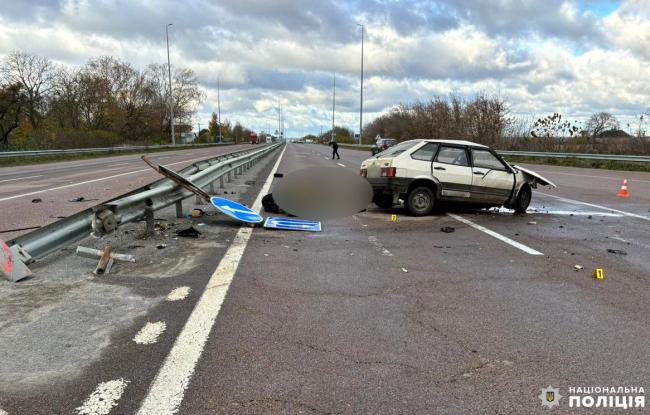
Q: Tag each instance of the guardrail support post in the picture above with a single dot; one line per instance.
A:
(221, 182)
(211, 188)
(151, 223)
(229, 179)
(179, 209)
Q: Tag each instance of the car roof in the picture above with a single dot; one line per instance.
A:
(459, 142)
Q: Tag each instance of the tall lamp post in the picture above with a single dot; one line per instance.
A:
(361, 99)
(219, 108)
(171, 93)
(333, 137)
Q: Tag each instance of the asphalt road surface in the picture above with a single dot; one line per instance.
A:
(370, 315)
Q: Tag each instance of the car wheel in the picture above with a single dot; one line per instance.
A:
(383, 201)
(523, 199)
(420, 201)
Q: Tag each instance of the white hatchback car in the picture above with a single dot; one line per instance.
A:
(424, 172)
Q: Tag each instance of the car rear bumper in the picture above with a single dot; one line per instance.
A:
(389, 185)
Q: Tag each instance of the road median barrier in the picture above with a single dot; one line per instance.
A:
(138, 204)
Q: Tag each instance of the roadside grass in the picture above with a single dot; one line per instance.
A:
(572, 162)
(22, 161)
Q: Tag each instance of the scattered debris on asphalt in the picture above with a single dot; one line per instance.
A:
(447, 229)
(81, 199)
(616, 251)
(532, 223)
(578, 267)
(161, 226)
(37, 200)
(19, 229)
(404, 270)
(278, 175)
(250, 182)
(190, 232)
(269, 204)
(106, 258)
(161, 246)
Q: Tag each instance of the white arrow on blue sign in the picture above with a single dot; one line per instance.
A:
(292, 224)
(236, 210)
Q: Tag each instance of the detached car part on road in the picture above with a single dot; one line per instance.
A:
(425, 172)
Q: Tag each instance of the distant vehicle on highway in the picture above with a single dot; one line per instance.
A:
(254, 138)
(269, 139)
(425, 172)
(382, 144)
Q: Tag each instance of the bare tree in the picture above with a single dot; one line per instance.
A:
(11, 109)
(35, 74)
(599, 123)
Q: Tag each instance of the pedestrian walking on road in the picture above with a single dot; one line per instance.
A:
(335, 150)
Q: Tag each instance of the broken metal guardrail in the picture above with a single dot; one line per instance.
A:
(137, 204)
(38, 153)
(584, 156)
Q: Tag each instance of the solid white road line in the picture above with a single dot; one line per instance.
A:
(622, 212)
(173, 378)
(104, 398)
(13, 180)
(89, 181)
(178, 293)
(118, 164)
(341, 164)
(500, 237)
(592, 176)
(150, 332)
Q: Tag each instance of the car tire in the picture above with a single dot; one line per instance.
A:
(523, 199)
(383, 201)
(420, 201)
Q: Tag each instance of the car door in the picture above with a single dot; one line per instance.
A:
(452, 169)
(420, 163)
(492, 180)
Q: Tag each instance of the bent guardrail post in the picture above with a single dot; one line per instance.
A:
(108, 216)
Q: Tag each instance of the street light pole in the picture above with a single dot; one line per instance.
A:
(171, 93)
(361, 99)
(219, 108)
(333, 137)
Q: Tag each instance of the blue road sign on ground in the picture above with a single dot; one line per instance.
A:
(292, 224)
(235, 210)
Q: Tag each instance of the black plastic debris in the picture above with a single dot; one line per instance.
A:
(37, 200)
(269, 204)
(616, 251)
(447, 229)
(249, 182)
(161, 246)
(78, 199)
(190, 232)
(278, 175)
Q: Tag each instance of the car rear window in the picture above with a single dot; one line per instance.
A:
(396, 149)
(426, 152)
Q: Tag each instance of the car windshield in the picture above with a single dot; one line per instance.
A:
(397, 149)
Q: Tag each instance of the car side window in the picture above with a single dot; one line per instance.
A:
(486, 160)
(452, 155)
(426, 152)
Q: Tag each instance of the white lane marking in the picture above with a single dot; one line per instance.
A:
(163, 157)
(577, 213)
(630, 242)
(88, 181)
(178, 293)
(173, 378)
(379, 246)
(13, 180)
(118, 164)
(500, 237)
(104, 398)
(578, 202)
(150, 332)
(341, 164)
(3, 412)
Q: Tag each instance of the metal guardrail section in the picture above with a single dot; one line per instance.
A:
(585, 156)
(105, 217)
(36, 153)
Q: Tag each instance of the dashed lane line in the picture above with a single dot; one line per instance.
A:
(150, 332)
(20, 178)
(578, 202)
(496, 235)
(90, 181)
(104, 398)
(168, 389)
(178, 294)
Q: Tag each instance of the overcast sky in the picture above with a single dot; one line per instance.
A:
(542, 56)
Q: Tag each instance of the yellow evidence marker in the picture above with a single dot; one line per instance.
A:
(393, 218)
(599, 274)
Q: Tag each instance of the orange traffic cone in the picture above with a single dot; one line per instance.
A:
(623, 192)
